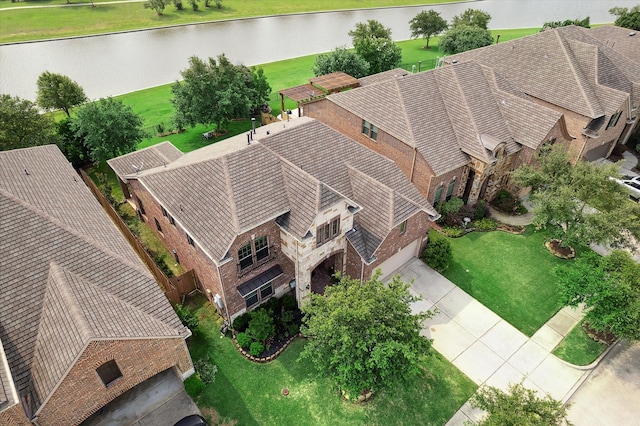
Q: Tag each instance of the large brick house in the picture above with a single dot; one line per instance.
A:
(454, 131)
(460, 129)
(81, 319)
(590, 76)
(259, 215)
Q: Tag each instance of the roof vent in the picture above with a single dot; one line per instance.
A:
(632, 33)
(455, 61)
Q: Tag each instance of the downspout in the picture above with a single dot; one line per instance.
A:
(413, 163)
(224, 296)
(362, 271)
(297, 273)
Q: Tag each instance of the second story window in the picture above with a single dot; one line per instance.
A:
(262, 248)
(327, 231)
(438, 196)
(245, 256)
(452, 185)
(614, 120)
(403, 227)
(369, 130)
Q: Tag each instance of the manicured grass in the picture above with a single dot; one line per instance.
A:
(510, 274)
(251, 394)
(20, 24)
(578, 348)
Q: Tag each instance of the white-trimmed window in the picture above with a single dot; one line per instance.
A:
(253, 252)
(328, 231)
(259, 294)
(262, 248)
(369, 130)
(403, 227)
(245, 256)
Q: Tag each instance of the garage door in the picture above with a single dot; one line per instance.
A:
(399, 259)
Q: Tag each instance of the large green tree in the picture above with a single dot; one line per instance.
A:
(215, 92)
(57, 91)
(157, 5)
(363, 335)
(579, 204)
(472, 18)
(627, 17)
(609, 287)
(518, 406)
(427, 24)
(464, 37)
(22, 125)
(372, 41)
(108, 127)
(341, 59)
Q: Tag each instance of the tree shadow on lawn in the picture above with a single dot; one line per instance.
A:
(225, 399)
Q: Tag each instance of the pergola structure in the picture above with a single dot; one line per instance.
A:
(318, 87)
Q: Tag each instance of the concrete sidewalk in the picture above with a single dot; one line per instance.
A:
(485, 347)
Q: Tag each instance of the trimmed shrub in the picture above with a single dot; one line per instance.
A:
(452, 206)
(241, 322)
(438, 254)
(256, 349)
(485, 224)
(452, 231)
(274, 304)
(244, 340)
(289, 302)
(206, 370)
(481, 210)
(261, 326)
(193, 385)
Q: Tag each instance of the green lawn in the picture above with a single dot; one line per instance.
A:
(510, 274)
(20, 24)
(578, 348)
(250, 394)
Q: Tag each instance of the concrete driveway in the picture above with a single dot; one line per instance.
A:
(485, 347)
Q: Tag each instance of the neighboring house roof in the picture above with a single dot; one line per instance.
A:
(290, 174)
(449, 113)
(69, 276)
(144, 159)
(563, 66)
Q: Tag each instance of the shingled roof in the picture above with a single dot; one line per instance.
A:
(289, 174)
(69, 276)
(563, 66)
(449, 113)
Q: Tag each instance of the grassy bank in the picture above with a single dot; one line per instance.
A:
(154, 105)
(246, 393)
(24, 24)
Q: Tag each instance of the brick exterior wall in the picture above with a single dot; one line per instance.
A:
(215, 279)
(14, 416)
(418, 226)
(82, 392)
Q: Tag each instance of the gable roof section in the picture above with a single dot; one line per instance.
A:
(564, 66)
(33, 239)
(619, 39)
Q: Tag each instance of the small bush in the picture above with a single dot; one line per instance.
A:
(481, 210)
(256, 349)
(486, 224)
(289, 302)
(159, 260)
(193, 385)
(508, 203)
(186, 315)
(452, 206)
(218, 3)
(243, 340)
(438, 254)
(452, 231)
(206, 370)
(274, 304)
(261, 326)
(241, 322)
(160, 127)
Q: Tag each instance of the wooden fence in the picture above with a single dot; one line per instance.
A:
(173, 288)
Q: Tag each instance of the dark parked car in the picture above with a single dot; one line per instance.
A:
(192, 420)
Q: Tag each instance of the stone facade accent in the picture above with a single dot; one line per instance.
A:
(82, 392)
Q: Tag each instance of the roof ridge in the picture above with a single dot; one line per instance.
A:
(571, 59)
(93, 243)
(232, 200)
(404, 112)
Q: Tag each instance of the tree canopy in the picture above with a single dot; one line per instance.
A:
(464, 37)
(577, 22)
(157, 5)
(23, 125)
(427, 24)
(519, 406)
(364, 335)
(627, 17)
(341, 59)
(610, 289)
(215, 92)
(579, 204)
(57, 91)
(472, 18)
(372, 41)
(108, 127)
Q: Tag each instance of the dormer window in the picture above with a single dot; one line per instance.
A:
(369, 130)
